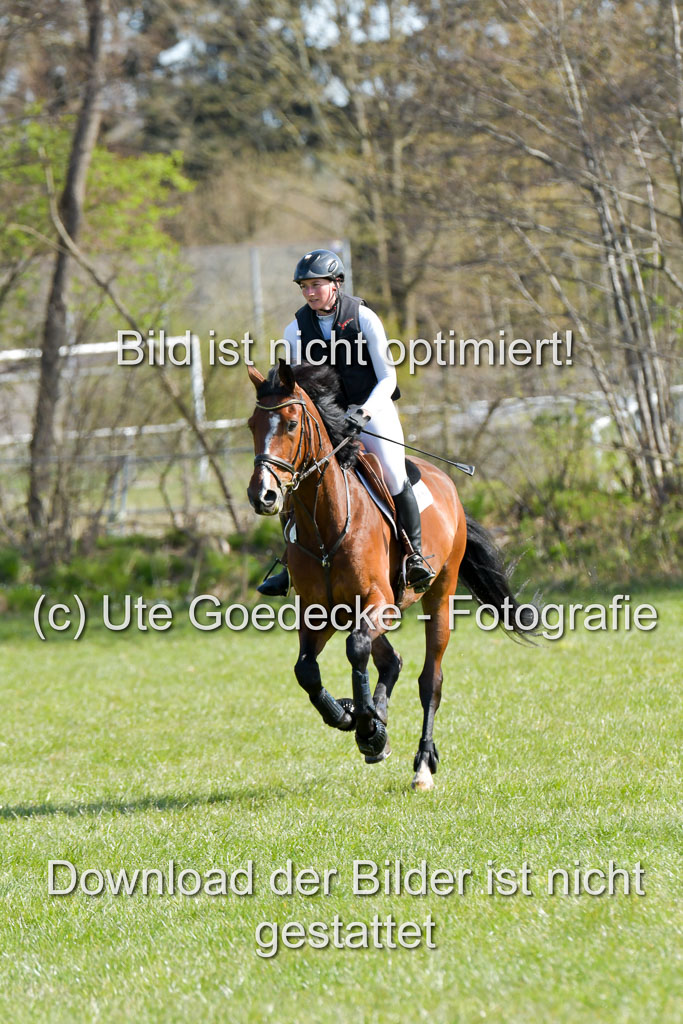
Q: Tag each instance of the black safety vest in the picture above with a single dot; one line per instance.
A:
(357, 378)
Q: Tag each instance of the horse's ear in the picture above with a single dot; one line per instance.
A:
(255, 377)
(286, 375)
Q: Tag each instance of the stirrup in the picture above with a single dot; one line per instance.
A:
(417, 572)
(277, 585)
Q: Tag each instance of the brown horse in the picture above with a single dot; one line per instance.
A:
(343, 555)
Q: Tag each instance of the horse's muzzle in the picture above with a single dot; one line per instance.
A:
(265, 501)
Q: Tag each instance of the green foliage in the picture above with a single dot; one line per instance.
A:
(128, 197)
(22, 597)
(572, 535)
(267, 533)
(10, 565)
(164, 567)
(565, 517)
(26, 145)
(130, 201)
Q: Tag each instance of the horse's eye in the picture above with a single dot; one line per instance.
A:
(292, 425)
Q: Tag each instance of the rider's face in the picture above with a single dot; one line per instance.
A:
(319, 293)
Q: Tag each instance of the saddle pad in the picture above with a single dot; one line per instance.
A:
(423, 495)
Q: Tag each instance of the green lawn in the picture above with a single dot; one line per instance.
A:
(128, 750)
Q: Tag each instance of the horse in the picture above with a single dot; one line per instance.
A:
(343, 553)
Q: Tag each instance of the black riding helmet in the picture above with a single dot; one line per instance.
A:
(322, 263)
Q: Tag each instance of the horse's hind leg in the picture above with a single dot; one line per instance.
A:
(437, 633)
(388, 663)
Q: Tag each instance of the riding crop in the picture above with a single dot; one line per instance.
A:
(458, 465)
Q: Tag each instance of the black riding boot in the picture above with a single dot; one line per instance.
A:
(277, 585)
(419, 574)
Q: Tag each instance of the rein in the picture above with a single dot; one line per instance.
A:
(309, 464)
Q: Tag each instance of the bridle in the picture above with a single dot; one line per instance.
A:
(308, 461)
(304, 464)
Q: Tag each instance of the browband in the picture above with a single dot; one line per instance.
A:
(282, 405)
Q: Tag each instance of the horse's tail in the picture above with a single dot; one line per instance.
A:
(483, 573)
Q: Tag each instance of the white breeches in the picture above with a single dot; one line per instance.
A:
(392, 456)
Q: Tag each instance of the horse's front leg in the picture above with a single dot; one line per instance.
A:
(307, 672)
(371, 733)
(388, 663)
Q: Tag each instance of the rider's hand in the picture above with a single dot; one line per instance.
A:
(355, 419)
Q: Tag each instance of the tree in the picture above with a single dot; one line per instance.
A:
(55, 333)
(344, 85)
(587, 137)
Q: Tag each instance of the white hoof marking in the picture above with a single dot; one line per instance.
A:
(423, 779)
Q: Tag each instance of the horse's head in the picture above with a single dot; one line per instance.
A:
(282, 427)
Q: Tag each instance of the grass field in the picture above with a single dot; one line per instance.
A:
(128, 750)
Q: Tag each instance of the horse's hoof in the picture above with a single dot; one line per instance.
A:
(373, 746)
(377, 758)
(423, 779)
(349, 722)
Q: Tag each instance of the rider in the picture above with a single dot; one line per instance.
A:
(367, 384)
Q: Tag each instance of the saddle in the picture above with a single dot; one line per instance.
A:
(371, 468)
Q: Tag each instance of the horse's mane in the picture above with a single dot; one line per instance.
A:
(321, 384)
